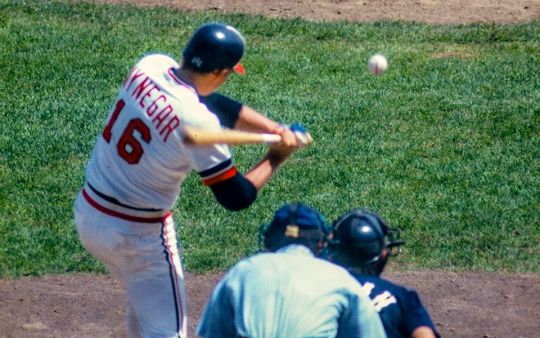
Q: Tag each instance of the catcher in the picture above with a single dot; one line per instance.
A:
(362, 243)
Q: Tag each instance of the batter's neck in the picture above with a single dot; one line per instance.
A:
(204, 83)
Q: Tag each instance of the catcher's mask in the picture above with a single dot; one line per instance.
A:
(359, 239)
(295, 223)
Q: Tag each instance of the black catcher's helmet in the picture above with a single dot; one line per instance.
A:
(359, 238)
(295, 223)
(214, 46)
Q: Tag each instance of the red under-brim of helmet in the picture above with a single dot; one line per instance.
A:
(239, 69)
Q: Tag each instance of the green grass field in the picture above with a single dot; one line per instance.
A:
(445, 145)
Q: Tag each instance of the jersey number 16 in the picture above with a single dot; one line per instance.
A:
(129, 148)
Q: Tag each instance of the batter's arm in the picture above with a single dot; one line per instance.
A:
(236, 115)
(235, 193)
(261, 173)
(225, 108)
(240, 191)
(251, 120)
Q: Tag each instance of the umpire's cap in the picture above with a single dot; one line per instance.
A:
(295, 223)
(362, 236)
(215, 46)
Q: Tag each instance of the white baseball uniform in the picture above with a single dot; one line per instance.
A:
(133, 179)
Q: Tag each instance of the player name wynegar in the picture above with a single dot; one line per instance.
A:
(153, 101)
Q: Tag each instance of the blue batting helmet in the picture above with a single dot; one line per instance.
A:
(214, 46)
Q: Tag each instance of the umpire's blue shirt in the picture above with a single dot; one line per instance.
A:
(289, 294)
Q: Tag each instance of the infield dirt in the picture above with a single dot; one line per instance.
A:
(462, 304)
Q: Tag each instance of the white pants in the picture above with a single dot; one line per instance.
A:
(145, 257)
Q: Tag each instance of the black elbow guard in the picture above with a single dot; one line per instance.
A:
(235, 193)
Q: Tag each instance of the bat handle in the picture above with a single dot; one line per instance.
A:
(271, 138)
(304, 137)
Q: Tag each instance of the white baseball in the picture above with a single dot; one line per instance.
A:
(377, 64)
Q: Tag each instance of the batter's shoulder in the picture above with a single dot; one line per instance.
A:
(157, 60)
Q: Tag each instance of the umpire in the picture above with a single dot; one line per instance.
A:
(286, 291)
(362, 243)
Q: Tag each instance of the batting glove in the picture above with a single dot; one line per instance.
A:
(301, 133)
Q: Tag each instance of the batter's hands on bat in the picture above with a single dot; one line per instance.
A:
(295, 135)
(292, 138)
(302, 134)
(288, 138)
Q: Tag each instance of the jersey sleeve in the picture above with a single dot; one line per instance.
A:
(416, 314)
(226, 109)
(213, 163)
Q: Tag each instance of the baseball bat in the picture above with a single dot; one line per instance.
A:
(199, 137)
(226, 136)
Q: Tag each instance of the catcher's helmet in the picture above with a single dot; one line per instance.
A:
(359, 238)
(295, 223)
(214, 46)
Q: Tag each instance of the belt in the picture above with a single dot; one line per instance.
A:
(112, 207)
(117, 202)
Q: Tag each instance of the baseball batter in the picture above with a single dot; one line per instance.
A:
(362, 243)
(139, 161)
